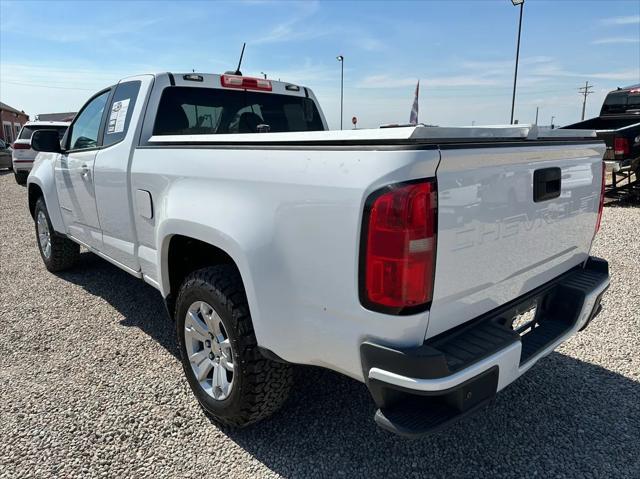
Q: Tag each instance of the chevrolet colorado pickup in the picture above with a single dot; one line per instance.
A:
(436, 265)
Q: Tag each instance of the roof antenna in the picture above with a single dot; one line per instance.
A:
(238, 72)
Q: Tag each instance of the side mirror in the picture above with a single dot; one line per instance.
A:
(46, 140)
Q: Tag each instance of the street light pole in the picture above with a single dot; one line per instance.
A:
(340, 58)
(515, 75)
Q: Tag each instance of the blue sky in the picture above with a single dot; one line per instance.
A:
(53, 55)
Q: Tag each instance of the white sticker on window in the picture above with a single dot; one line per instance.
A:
(118, 116)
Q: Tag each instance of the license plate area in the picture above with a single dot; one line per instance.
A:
(525, 319)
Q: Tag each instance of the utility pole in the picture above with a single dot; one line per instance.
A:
(552, 122)
(340, 58)
(537, 108)
(585, 90)
(515, 75)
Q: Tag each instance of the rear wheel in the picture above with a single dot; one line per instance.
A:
(21, 177)
(57, 252)
(235, 384)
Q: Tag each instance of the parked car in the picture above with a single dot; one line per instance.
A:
(5, 155)
(23, 155)
(619, 126)
(275, 242)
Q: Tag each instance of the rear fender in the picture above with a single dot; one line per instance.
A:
(186, 219)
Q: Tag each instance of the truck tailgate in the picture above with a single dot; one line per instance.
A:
(495, 242)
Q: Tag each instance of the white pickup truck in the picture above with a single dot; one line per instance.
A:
(436, 265)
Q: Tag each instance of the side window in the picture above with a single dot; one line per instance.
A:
(120, 111)
(84, 131)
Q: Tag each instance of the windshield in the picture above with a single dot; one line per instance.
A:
(28, 130)
(200, 111)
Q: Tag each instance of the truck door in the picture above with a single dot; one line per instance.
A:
(113, 193)
(74, 172)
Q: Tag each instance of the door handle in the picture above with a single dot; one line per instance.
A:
(84, 170)
(547, 184)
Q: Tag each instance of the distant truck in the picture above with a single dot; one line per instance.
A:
(401, 257)
(619, 126)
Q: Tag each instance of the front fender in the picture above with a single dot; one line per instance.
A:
(43, 175)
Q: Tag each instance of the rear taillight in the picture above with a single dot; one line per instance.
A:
(398, 248)
(621, 146)
(601, 207)
(21, 146)
(245, 83)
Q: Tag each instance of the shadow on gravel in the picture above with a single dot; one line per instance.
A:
(140, 304)
(564, 418)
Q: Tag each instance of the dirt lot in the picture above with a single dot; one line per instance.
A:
(90, 386)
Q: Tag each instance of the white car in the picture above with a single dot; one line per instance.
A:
(374, 253)
(23, 155)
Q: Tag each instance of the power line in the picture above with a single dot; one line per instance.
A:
(585, 90)
(47, 86)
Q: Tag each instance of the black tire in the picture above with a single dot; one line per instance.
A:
(260, 385)
(64, 252)
(21, 177)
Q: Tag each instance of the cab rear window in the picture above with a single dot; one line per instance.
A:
(201, 111)
(621, 102)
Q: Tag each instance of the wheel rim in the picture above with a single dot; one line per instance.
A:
(209, 350)
(44, 235)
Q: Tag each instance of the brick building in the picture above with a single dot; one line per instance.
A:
(68, 116)
(11, 120)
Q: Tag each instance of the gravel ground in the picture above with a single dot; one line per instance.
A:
(90, 386)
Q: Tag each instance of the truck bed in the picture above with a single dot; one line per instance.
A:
(374, 137)
(607, 122)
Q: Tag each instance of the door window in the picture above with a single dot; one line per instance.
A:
(85, 129)
(119, 115)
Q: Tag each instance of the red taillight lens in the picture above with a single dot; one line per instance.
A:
(621, 146)
(399, 241)
(601, 207)
(21, 146)
(245, 83)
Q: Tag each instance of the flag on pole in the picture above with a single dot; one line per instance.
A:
(413, 118)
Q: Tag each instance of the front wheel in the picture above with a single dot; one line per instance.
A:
(235, 384)
(58, 253)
